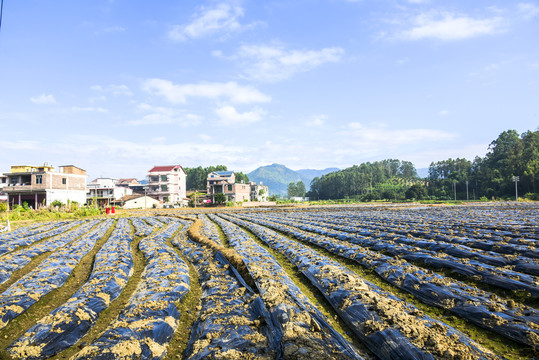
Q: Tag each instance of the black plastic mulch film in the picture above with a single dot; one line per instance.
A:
(232, 318)
(388, 326)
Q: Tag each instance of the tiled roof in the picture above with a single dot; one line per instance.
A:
(165, 168)
(127, 180)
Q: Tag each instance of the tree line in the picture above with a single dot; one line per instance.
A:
(197, 176)
(512, 163)
(386, 179)
(296, 189)
(510, 166)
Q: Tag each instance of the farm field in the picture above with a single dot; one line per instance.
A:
(328, 282)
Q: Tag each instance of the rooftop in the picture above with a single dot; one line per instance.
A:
(223, 173)
(165, 168)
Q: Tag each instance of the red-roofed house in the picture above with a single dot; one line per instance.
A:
(167, 183)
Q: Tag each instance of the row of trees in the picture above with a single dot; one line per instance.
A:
(386, 179)
(196, 177)
(296, 189)
(510, 157)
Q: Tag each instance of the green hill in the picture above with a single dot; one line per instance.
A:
(278, 176)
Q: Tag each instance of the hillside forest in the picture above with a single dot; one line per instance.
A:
(512, 156)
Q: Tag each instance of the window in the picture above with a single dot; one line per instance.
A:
(164, 178)
(64, 181)
(164, 188)
(229, 187)
(39, 179)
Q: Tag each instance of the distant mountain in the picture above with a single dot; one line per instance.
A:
(307, 175)
(278, 176)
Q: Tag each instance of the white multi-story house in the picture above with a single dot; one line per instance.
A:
(105, 190)
(259, 193)
(167, 183)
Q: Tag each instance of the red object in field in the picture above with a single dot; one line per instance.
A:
(112, 210)
(107, 210)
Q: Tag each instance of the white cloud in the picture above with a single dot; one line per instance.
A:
(317, 120)
(157, 115)
(230, 116)
(448, 26)
(443, 112)
(403, 61)
(115, 28)
(89, 109)
(422, 159)
(230, 90)
(20, 145)
(113, 89)
(43, 99)
(114, 151)
(528, 10)
(220, 19)
(381, 136)
(274, 62)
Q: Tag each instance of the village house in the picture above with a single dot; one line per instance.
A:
(133, 184)
(105, 190)
(3, 184)
(168, 184)
(259, 192)
(137, 201)
(225, 182)
(41, 185)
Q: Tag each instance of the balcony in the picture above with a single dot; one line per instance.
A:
(23, 187)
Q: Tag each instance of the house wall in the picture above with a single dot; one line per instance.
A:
(239, 193)
(141, 203)
(62, 186)
(70, 169)
(176, 183)
(64, 195)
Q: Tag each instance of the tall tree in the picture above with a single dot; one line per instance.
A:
(241, 178)
(292, 189)
(300, 189)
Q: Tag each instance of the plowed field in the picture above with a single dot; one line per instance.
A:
(342, 282)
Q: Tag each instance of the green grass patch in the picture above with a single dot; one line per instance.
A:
(188, 312)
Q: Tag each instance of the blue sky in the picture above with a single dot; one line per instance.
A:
(116, 87)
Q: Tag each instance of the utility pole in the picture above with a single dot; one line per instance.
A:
(1, 11)
(7, 215)
(145, 198)
(467, 197)
(455, 189)
(516, 179)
